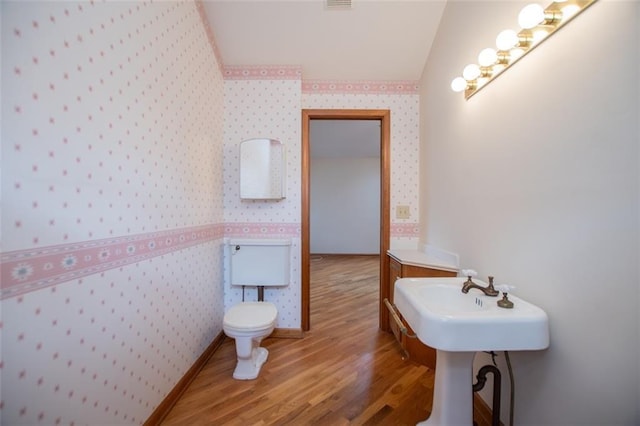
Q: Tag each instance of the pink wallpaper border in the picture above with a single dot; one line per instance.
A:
(406, 230)
(24, 271)
(292, 72)
(262, 230)
(262, 72)
(360, 87)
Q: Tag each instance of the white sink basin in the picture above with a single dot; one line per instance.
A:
(458, 325)
(445, 318)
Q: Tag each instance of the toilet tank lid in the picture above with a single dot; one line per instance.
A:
(257, 242)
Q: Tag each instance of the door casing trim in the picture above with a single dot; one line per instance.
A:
(384, 116)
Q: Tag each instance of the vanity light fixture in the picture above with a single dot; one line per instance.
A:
(536, 24)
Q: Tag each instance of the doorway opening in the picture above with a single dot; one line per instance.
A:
(383, 116)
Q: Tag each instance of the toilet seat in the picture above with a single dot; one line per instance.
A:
(250, 316)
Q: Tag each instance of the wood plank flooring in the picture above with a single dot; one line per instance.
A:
(345, 371)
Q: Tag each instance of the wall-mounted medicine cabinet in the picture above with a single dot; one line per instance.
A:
(262, 169)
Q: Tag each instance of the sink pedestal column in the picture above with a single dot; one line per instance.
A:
(453, 390)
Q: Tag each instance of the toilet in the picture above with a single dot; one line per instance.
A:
(254, 263)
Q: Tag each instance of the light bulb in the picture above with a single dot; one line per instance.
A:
(539, 35)
(569, 10)
(458, 84)
(487, 57)
(530, 16)
(516, 53)
(497, 68)
(507, 39)
(471, 72)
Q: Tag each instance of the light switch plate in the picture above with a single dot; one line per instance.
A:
(403, 212)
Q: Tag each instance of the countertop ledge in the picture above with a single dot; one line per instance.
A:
(430, 258)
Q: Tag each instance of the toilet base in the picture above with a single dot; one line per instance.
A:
(249, 368)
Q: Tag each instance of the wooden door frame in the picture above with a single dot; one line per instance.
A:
(384, 116)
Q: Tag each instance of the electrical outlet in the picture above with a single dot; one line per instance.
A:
(403, 212)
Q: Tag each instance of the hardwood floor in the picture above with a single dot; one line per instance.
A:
(345, 371)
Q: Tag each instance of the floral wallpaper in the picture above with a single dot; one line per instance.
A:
(264, 101)
(111, 207)
(120, 189)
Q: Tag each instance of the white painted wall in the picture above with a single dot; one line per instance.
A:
(345, 205)
(535, 180)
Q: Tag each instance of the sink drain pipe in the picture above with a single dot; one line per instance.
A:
(479, 385)
(497, 380)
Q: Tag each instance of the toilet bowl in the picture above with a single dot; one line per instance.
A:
(248, 323)
(254, 263)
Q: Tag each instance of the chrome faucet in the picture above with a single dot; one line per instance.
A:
(488, 290)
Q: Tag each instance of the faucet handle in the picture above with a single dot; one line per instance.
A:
(470, 273)
(505, 288)
(505, 302)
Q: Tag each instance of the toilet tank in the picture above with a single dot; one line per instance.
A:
(260, 262)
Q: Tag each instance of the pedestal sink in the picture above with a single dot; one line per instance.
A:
(458, 325)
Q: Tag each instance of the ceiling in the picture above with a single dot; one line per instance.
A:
(372, 40)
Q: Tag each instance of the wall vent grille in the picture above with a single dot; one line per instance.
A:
(338, 4)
